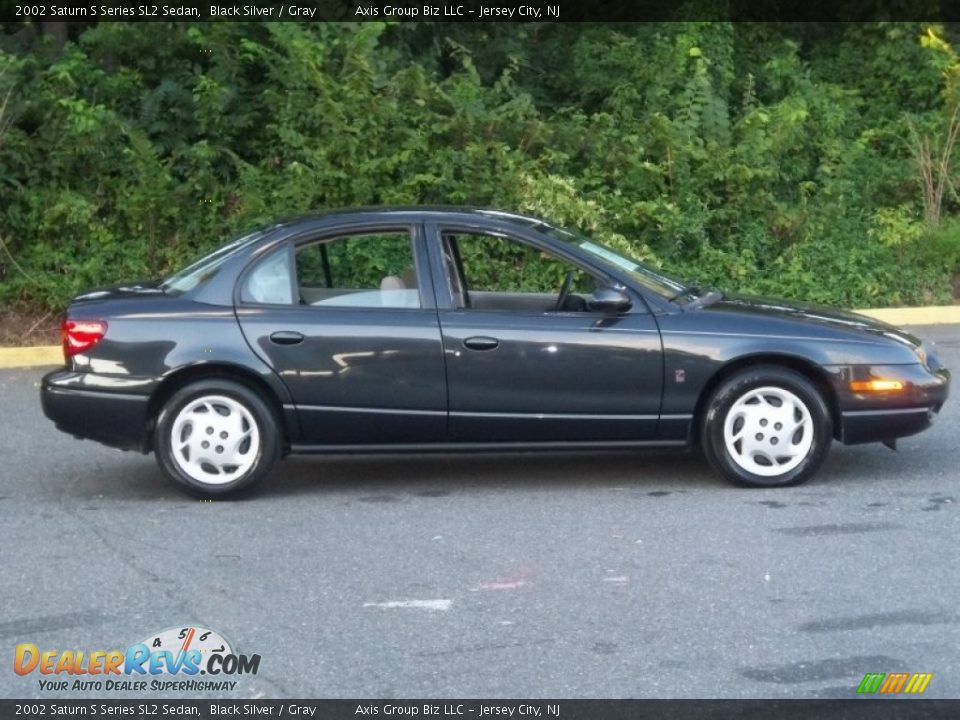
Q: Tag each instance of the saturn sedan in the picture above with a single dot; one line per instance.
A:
(449, 329)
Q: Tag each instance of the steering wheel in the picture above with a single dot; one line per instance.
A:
(564, 291)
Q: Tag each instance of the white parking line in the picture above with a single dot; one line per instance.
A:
(499, 585)
(417, 604)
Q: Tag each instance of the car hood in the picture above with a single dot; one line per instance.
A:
(812, 314)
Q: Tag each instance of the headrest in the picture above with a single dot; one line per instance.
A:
(392, 282)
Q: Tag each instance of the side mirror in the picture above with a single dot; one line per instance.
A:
(609, 300)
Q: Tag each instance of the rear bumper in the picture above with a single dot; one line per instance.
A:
(117, 419)
(878, 419)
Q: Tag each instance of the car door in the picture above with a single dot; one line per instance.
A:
(520, 370)
(347, 319)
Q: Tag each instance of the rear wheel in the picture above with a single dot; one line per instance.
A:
(214, 437)
(766, 426)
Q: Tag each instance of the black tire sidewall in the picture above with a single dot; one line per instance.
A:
(264, 417)
(735, 387)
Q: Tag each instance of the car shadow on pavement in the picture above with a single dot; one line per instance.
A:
(423, 474)
(136, 478)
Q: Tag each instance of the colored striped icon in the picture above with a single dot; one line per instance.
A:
(894, 683)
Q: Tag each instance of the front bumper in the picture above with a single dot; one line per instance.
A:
(887, 416)
(114, 414)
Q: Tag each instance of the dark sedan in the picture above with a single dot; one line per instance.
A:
(419, 329)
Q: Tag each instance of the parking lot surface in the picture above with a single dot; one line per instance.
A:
(604, 575)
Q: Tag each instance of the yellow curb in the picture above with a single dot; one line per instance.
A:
(31, 356)
(936, 315)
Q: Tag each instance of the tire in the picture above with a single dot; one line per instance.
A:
(746, 431)
(238, 428)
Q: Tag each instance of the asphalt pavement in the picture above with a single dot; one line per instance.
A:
(520, 576)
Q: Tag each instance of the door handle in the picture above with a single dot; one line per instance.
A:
(481, 343)
(286, 337)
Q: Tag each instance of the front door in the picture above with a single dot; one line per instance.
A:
(527, 365)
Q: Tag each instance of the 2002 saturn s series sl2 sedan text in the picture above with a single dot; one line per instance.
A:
(453, 329)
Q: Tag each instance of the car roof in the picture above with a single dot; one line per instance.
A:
(464, 211)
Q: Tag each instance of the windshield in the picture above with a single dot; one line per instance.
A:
(653, 280)
(206, 267)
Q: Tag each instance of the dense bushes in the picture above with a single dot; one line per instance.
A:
(768, 158)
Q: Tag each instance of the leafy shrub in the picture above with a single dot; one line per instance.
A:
(765, 158)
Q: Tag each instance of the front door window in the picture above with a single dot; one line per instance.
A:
(497, 273)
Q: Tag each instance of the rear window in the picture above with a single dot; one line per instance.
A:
(206, 267)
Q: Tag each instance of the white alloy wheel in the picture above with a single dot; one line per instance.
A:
(215, 440)
(768, 431)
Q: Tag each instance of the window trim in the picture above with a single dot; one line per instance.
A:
(440, 229)
(293, 243)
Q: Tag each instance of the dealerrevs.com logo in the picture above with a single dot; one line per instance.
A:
(169, 660)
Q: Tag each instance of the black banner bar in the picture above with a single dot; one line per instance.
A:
(528, 11)
(854, 709)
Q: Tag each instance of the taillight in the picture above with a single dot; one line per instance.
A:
(80, 335)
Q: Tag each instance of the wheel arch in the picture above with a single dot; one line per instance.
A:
(810, 370)
(182, 377)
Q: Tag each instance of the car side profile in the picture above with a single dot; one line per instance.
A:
(463, 329)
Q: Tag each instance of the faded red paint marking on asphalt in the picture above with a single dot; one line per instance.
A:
(520, 578)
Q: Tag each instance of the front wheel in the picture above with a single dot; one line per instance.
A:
(214, 437)
(766, 426)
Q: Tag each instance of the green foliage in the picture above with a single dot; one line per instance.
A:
(764, 158)
(363, 261)
(494, 264)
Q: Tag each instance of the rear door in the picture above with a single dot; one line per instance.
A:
(348, 321)
(522, 369)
